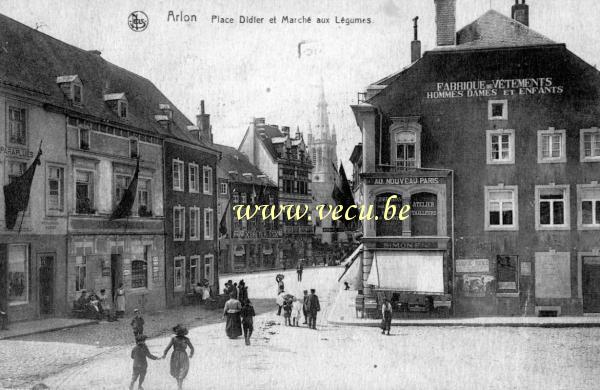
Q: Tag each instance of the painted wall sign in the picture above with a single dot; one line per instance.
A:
(392, 226)
(472, 265)
(16, 152)
(402, 180)
(526, 268)
(423, 212)
(408, 245)
(476, 285)
(494, 88)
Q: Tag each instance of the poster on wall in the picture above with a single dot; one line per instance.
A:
(472, 285)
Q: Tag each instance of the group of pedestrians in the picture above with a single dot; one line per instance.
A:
(238, 311)
(293, 308)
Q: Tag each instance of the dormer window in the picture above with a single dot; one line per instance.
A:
(84, 138)
(72, 88)
(118, 103)
(405, 152)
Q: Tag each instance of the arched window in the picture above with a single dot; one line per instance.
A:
(392, 226)
(139, 274)
(423, 214)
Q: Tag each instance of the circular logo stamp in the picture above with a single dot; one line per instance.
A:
(138, 21)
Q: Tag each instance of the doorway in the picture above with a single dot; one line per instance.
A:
(46, 278)
(116, 273)
(591, 284)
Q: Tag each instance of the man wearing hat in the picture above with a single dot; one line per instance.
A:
(313, 308)
(137, 324)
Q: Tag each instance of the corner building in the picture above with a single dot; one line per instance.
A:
(493, 138)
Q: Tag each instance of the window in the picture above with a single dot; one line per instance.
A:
(178, 223)
(17, 125)
(84, 138)
(133, 148)
(84, 192)
(178, 266)
(501, 206)
(223, 188)
(497, 109)
(76, 94)
(208, 224)
(551, 146)
(82, 249)
(507, 268)
(194, 223)
(588, 201)
(208, 187)
(55, 188)
(590, 144)
(139, 274)
(194, 274)
(405, 153)
(178, 175)
(208, 268)
(15, 170)
(194, 177)
(123, 109)
(235, 198)
(18, 274)
(121, 185)
(500, 146)
(552, 211)
(143, 198)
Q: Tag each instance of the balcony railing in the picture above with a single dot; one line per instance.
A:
(394, 168)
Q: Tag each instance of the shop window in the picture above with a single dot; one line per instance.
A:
(178, 267)
(82, 250)
(139, 274)
(193, 178)
(393, 226)
(194, 223)
(500, 147)
(55, 189)
(501, 208)
(178, 223)
(177, 175)
(208, 224)
(194, 271)
(423, 214)
(144, 198)
(588, 204)
(552, 207)
(18, 274)
(497, 109)
(589, 144)
(551, 146)
(507, 268)
(208, 180)
(84, 138)
(84, 192)
(17, 126)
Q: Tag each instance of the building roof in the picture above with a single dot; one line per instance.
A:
(234, 160)
(494, 30)
(33, 62)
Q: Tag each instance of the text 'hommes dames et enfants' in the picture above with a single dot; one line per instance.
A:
(352, 212)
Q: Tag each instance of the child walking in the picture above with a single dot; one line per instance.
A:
(287, 311)
(137, 324)
(247, 314)
(296, 312)
(139, 354)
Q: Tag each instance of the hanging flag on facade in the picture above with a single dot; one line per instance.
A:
(16, 194)
(223, 223)
(123, 210)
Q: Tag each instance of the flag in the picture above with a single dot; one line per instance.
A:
(16, 194)
(223, 223)
(123, 210)
(342, 194)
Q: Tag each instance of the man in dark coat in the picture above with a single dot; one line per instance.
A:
(305, 307)
(313, 308)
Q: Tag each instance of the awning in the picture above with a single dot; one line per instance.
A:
(350, 260)
(419, 272)
(354, 274)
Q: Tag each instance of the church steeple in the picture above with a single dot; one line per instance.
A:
(322, 115)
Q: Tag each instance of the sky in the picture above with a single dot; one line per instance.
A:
(251, 70)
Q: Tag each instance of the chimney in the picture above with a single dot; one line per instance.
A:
(445, 20)
(203, 122)
(520, 12)
(285, 130)
(415, 45)
(259, 121)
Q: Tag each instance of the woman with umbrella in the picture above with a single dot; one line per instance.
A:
(180, 363)
(232, 309)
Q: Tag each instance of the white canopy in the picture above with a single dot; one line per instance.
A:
(419, 272)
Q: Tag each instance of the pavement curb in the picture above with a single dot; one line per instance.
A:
(477, 325)
(15, 336)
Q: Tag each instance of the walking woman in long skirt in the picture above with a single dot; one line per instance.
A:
(180, 363)
(120, 301)
(232, 309)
